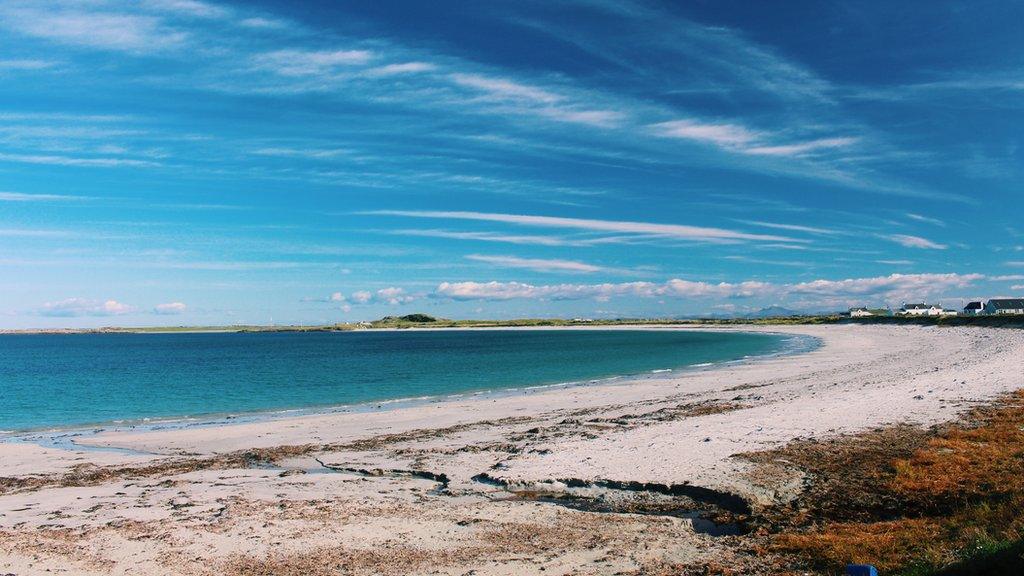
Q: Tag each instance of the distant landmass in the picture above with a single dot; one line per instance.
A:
(773, 312)
(418, 318)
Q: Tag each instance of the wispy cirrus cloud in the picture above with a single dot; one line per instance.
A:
(504, 89)
(61, 160)
(799, 148)
(738, 138)
(24, 197)
(291, 62)
(678, 231)
(791, 227)
(26, 64)
(74, 24)
(926, 219)
(311, 153)
(401, 68)
(725, 135)
(191, 8)
(910, 241)
(523, 239)
(538, 264)
(529, 99)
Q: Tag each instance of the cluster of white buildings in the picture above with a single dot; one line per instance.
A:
(994, 306)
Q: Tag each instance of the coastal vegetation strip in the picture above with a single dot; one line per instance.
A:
(426, 321)
(948, 500)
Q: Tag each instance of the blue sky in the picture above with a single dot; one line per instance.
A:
(189, 162)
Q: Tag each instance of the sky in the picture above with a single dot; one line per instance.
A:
(184, 162)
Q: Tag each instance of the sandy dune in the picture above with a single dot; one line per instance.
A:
(462, 487)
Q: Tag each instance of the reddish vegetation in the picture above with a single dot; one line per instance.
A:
(947, 501)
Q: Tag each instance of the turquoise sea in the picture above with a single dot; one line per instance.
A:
(80, 379)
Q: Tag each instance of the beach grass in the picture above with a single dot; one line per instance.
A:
(945, 501)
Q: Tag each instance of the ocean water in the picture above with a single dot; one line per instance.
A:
(72, 380)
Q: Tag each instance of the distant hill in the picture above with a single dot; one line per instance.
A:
(773, 312)
(418, 318)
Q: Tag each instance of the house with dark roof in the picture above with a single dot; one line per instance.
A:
(974, 308)
(1005, 306)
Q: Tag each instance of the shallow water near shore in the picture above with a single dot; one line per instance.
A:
(65, 381)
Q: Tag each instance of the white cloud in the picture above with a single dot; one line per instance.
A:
(192, 8)
(666, 230)
(793, 227)
(362, 297)
(310, 63)
(890, 287)
(801, 147)
(106, 30)
(514, 290)
(393, 296)
(688, 289)
(259, 23)
(522, 98)
(894, 285)
(492, 237)
(505, 89)
(73, 161)
(739, 138)
(313, 153)
(601, 118)
(915, 242)
(29, 233)
(337, 297)
(926, 219)
(1017, 287)
(170, 308)
(22, 197)
(401, 68)
(26, 64)
(1007, 278)
(673, 288)
(728, 135)
(537, 264)
(72, 307)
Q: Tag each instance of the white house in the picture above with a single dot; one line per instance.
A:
(920, 310)
(860, 312)
(1005, 306)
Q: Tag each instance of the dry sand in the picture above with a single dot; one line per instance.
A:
(485, 485)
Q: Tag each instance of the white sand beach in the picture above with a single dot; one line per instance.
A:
(446, 487)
